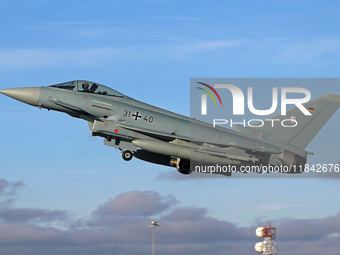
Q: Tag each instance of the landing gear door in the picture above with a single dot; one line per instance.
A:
(111, 138)
(117, 143)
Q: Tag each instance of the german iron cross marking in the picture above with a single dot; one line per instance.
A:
(136, 116)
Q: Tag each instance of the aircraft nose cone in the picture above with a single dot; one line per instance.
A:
(29, 95)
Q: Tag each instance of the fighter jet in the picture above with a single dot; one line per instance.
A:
(162, 137)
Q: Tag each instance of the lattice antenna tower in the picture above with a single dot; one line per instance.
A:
(268, 246)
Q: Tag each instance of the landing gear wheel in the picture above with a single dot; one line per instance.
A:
(127, 155)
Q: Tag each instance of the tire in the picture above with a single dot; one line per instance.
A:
(127, 155)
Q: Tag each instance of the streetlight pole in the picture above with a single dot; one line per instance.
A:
(153, 224)
(153, 240)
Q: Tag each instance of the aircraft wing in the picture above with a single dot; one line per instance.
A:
(127, 132)
(207, 147)
(121, 134)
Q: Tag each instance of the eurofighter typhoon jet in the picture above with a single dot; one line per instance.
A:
(158, 136)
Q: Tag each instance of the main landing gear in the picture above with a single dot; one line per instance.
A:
(127, 155)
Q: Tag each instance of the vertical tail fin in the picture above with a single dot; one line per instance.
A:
(302, 134)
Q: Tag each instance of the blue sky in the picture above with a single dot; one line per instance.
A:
(58, 180)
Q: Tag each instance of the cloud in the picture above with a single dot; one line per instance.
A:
(120, 226)
(136, 203)
(207, 46)
(270, 50)
(9, 188)
(309, 229)
(41, 58)
(186, 213)
(172, 176)
(14, 235)
(97, 56)
(306, 51)
(32, 214)
(8, 191)
(276, 207)
(176, 18)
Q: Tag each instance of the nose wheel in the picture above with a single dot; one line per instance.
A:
(127, 155)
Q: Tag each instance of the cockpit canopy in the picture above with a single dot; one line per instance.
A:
(66, 85)
(88, 87)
